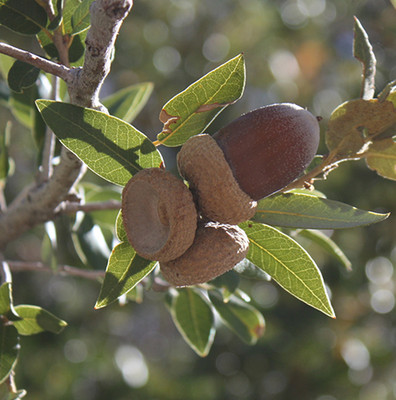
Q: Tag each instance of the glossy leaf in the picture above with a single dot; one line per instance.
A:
(363, 51)
(120, 229)
(194, 319)
(128, 102)
(22, 76)
(68, 11)
(9, 350)
(81, 19)
(192, 110)
(77, 49)
(242, 318)
(228, 283)
(109, 146)
(23, 16)
(55, 23)
(306, 211)
(288, 264)
(356, 121)
(327, 244)
(381, 157)
(36, 319)
(248, 270)
(6, 302)
(125, 270)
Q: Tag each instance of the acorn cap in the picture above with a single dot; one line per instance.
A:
(218, 195)
(159, 214)
(216, 249)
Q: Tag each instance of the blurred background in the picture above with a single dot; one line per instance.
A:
(296, 51)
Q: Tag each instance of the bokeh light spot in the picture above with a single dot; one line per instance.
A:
(355, 354)
(132, 365)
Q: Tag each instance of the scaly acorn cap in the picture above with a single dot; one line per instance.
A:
(218, 195)
(159, 214)
(216, 249)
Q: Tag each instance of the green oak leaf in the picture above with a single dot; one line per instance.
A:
(120, 229)
(355, 122)
(22, 76)
(23, 16)
(110, 147)
(295, 210)
(35, 320)
(381, 157)
(125, 269)
(191, 111)
(327, 244)
(9, 350)
(193, 318)
(81, 18)
(6, 302)
(288, 264)
(242, 318)
(128, 102)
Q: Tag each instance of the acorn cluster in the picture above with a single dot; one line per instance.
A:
(193, 231)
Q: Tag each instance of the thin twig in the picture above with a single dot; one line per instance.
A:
(37, 61)
(72, 208)
(37, 266)
(49, 141)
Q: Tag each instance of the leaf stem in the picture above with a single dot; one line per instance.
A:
(329, 163)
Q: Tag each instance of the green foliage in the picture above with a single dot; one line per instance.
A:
(306, 211)
(22, 76)
(125, 269)
(128, 102)
(288, 264)
(327, 244)
(81, 19)
(191, 111)
(9, 350)
(193, 318)
(35, 320)
(23, 16)
(112, 148)
(243, 319)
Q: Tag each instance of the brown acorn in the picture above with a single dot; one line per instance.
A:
(270, 147)
(159, 214)
(254, 156)
(216, 249)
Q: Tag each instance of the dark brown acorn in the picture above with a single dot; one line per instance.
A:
(270, 147)
(254, 156)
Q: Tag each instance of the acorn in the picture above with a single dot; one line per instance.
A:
(216, 249)
(159, 215)
(254, 156)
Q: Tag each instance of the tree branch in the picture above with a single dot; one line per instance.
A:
(72, 208)
(18, 266)
(46, 65)
(106, 19)
(39, 204)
